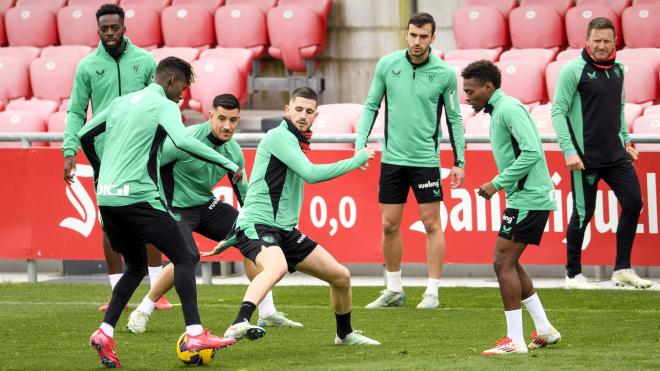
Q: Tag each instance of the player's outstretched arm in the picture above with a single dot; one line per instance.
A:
(220, 247)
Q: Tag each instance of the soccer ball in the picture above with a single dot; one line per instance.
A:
(195, 358)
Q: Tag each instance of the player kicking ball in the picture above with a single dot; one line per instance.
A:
(266, 230)
(523, 175)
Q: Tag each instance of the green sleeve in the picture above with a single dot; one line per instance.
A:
(170, 118)
(240, 189)
(76, 113)
(293, 157)
(565, 89)
(624, 126)
(522, 129)
(87, 135)
(170, 153)
(371, 106)
(454, 120)
(152, 71)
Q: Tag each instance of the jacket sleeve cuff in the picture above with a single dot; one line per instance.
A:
(69, 152)
(570, 153)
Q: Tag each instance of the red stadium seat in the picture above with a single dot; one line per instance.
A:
(647, 124)
(214, 76)
(287, 20)
(157, 5)
(3, 35)
(187, 54)
(640, 26)
(30, 26)
(578, 18)
(210, 5)
(55, 124)
(544, 126)
(43, 107)
(536, 27)
(458, 65)
(644, 2)
(73, 52)
(231, 30)
(52, 5)
(616, 5)
(241, 58)
(560, 6)
(21, 121)
(24, 53)
(143, 26)
(523, 80)
(652, 110)
(263, 5)
(503, 6)
(650, 55)
(93, 3)
(52, 77)
(473, 54)
(77, 25)
(469, 26)
(631, 112)
(541, 57)
(542, 109)
(338, 118)
(320, 7)
(478, 124)
(4, 5)
(15, 81)
(187, 25)
(551, 75)
(568, 54)
(640, 82)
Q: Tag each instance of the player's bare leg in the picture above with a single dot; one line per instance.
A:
(435, 252)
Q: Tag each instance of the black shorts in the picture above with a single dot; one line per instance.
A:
(523, 226)
(214, 221)
(395, 180)
(295, 245)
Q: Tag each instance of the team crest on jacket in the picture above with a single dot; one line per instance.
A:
(431, 77)
(396, 73)
(136, 67)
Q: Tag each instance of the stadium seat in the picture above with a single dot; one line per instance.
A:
(77, 25)
(644, 2)
(3, 35)
(338, 118)
(458, 65)
(187, 25)
(24, 53)
(541, 57)
(631, 112)
(616, 5)
(478, 124)
(551, 75)
(263, 5)
(473, 54)
(214, 76)
(231, 30)
(15, 81)
(640, 82)
(560, 6)
(4, 5)
(544, 125)
(93, 3)
(52, 5)
(52, 77)
(241, 58)
(523, 80)
(56, 123)
(187, 54)
(647, 124)
(640, 26)
(143, 26)
(21, 121)
(210, 5)
(652, 110)
(568, 54)
(542, 109)
(650, 55)
(321, 7)
(43, 107)
(157, 5)
(503, 6)
(73, 52)
(31, 26)
(577, 19)
(286, 20)
(536, 27)
(469, 26)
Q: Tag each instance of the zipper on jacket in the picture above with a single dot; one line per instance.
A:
(608, 75)
(119, 75)
(414, 71)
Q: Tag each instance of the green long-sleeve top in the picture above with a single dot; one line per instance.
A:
(101, 78)
(135, 126)
(588, 112)
(280, 170)
(187, 180)
(415, 95)
(518, 153)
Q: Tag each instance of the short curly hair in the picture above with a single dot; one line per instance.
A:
(106, 9)
(174, 65)
(484, 71)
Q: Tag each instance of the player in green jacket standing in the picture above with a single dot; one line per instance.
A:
(115, 68)
(530, 196)
(588, 116)
(416, 86)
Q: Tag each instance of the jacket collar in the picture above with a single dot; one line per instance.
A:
(424, 62)
(494, 98)
(212, 138)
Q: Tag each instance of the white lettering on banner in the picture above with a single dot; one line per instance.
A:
(318, 214)
(83, 204)
(651, 203)
(464, 208)
(226, 195)
(599, 218)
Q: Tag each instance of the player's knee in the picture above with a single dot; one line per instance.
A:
(390, 227)
(276, 270)
(139, 271)
(343, 278)
(633, 205)
(500, 265)
(431, 226)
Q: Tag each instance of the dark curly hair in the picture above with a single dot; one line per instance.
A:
(484, 71)
(106, 9)
(176, 65)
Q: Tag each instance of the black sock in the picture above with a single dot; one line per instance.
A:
(343, 324)
(245, 313)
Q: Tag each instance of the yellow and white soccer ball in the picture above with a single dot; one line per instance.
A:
(194, 358)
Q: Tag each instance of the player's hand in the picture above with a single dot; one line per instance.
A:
(370, 154)
(632, 152)
(69, 168)
(457, 176)
(487, 190)
(573, 162)
(220, 247)
(238, 176)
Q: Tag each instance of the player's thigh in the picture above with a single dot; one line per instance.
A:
(217, 221)
(322, 265)
(393, 184)
(270, 258)
(162, 230)
(429, 213)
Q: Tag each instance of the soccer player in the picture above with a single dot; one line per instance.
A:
(115, 68)
(588, 116)
(417, 86)
(132, 210)
(187, 182)
(266, 230)
(524, 177)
